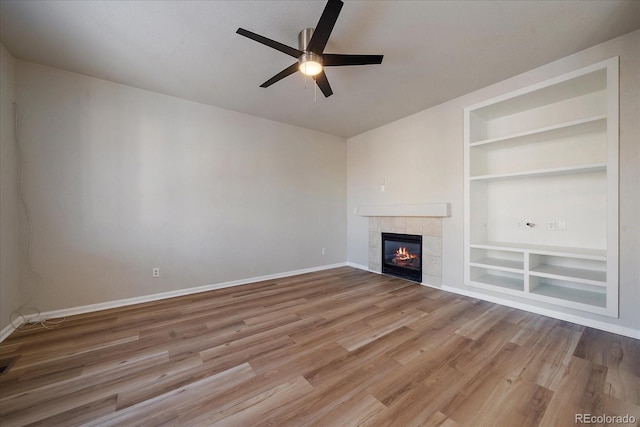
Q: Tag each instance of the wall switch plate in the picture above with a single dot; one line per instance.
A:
(551, 225)
(155, 272)
(562, 225)
(324, 251)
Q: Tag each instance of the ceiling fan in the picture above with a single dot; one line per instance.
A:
(310, 52)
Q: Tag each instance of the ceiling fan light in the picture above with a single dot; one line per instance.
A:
(310, 64)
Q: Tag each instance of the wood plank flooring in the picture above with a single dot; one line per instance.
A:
(341, 347)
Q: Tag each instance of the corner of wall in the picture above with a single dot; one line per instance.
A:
(9, 219)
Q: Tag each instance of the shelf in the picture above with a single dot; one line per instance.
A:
(589, 80)
(591, 167)
(501, 282)
(584, 253)
(590, 124)
(503, 264)
(546, 153)
(580, 296)
(592, 277)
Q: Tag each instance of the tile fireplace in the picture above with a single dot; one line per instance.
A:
(429, 228)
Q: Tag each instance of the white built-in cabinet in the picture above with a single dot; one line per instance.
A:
(541, 191)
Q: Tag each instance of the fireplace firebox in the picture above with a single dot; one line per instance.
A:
(402, 256)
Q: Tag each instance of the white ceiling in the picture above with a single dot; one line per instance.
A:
(433, 51)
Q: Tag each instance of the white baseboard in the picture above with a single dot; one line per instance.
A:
(603, 326)
(361, 267)
(8, 330)
(155, 297)
(607, 327)
(620, 330)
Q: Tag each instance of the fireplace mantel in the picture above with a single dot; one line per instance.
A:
(423, 209)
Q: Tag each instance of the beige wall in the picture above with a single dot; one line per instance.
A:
(428, 149)
(9, 223)
(121, 180)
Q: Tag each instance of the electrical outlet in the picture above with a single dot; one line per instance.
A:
(551, 225)
(519, 224)
(324, 251)
(155, 272)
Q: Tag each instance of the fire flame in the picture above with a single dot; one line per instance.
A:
(403, 254)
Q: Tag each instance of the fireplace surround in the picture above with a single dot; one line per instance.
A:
(430, 228)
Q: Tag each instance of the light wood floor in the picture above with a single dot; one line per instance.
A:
(341, 347)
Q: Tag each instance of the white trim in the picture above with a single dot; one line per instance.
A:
(603, 326)
(8, 330)
(155, 297)
(361, 267)
(545, 83)
(424, 209)
(621, 330)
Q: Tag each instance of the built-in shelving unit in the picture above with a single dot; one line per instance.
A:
(541, 191)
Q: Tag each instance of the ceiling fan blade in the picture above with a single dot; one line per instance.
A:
(323, 84)
(334, 60)
(281, 75)
(271, 43)
(325, 25)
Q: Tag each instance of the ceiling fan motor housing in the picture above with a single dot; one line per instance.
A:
(304, 37)
(310, 63)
